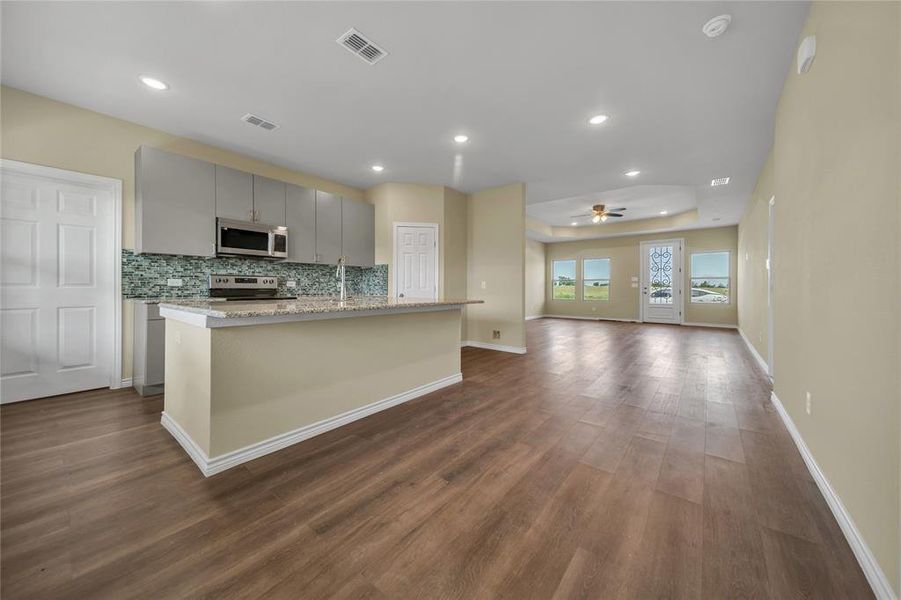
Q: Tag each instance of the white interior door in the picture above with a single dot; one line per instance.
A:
(661, 281)
(57, 278)
(415, 264)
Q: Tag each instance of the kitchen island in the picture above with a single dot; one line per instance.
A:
(244, 379)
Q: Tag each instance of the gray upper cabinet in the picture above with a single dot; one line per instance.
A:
(328, 228)
(234, 194)
(269, 200)
(175, 204)
(358, 232)
(300, 218)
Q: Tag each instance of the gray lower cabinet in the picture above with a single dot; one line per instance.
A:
(149, 349)
(234, 194)
(175, 204)
(269, 200)
(300, 218)
(328, 228)
(358, 232)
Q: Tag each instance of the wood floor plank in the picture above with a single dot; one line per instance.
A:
(538, 476)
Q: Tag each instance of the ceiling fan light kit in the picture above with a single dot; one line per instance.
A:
(599, 213)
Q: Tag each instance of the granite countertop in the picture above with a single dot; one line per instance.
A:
(303, 305)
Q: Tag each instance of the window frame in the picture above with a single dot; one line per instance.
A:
(728, 278)
(608, 280)
(553, 278)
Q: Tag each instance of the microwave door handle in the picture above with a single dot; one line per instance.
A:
(271, 243)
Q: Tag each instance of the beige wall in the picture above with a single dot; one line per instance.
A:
(496, 257)
(836, 261)
(753, 310)
(420, 203)
(625, 263)
(535, 277)
(454, 244)
(42, 131)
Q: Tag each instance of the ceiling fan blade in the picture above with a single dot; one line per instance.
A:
(581, 216)
(614, 215)
(617, 209)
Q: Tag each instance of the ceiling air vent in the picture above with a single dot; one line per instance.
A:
(358, 44)
(259, 122)
(719, 181)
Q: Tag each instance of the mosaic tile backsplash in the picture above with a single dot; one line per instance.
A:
(145, 275)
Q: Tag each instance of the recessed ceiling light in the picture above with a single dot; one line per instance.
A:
(719, 181)
(378, 168)
(664, 212)
(716, 218)
(154, 83)
(461, 139)
(574, 223)
(598, 119)
(633, 173)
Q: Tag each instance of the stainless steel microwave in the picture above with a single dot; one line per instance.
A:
(251, 239)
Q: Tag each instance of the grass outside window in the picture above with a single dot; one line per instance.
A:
(563, 282)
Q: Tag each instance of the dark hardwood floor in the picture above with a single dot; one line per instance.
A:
(614, 460)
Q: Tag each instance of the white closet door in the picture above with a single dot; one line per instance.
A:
(56, 286)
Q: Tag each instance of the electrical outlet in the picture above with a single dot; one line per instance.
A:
(291, 283)
(484, 285)
(177, 337)
(809, 404)
(496, 334)
(594, 309)
(175, 282)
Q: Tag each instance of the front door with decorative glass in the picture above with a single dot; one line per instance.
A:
(661, 281)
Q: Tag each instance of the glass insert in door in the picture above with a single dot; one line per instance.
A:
(660, 274)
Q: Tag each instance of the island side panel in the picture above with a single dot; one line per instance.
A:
(187, 391)
(268, 380)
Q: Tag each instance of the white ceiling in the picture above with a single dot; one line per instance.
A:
(521, 79)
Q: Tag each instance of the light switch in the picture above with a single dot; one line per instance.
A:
(635, 285)
(484, 285)
(634, 279)
(291, 283)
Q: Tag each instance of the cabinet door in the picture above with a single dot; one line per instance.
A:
(300, 218)
(234, 194)
(358, 232)
(156, 352)
(269, 200)
(175, 204)
(328, 228)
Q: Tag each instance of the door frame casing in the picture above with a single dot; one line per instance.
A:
(106, 184)
(398, 224)
(641, 277)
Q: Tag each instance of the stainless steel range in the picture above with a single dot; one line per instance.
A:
(246, 287)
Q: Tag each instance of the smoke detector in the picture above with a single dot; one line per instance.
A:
(716, 26)
(361, 46)
(259, 122)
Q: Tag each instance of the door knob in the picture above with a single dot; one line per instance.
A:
(400, 295)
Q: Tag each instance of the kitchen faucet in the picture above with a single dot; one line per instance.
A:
(339, 273)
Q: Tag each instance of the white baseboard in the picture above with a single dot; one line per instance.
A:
(210, 466)
(716, 325)
(534, 317)
(590, 318)
(498, 347)
(763, 364)
(127, 382)
(874, 574)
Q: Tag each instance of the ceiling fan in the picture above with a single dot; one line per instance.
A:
(600, 212)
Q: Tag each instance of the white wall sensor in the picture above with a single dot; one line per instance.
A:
(806, 53)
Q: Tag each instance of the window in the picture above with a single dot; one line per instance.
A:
(710, 278)
(596, 279)
(564, 282)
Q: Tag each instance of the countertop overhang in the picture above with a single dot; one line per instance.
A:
(213, 313)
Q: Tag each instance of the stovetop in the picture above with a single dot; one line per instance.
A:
(257, 298)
